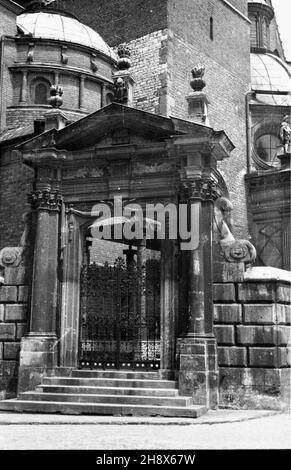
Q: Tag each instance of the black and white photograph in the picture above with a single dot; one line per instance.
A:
(145, 230)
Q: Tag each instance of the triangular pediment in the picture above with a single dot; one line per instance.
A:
(109, 126)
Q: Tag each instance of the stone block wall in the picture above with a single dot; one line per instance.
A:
(13, 325)
(253, 330)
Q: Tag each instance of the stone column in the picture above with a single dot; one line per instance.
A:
(198, 375)
(169, 300)
(103, 95)
(39, 347)
(23, 99)
(81, 92)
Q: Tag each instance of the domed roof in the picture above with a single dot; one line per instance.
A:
(269, 73)
(262, 2)
(52, 25)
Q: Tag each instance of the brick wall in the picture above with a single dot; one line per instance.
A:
(149, 56)
(227, 74)
(13, 325)
(15, 185)
(7, 22)
(253, 330)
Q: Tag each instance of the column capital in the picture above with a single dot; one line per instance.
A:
(46, 200)
(203, 189)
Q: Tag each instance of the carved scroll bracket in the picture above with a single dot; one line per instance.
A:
(233, 251)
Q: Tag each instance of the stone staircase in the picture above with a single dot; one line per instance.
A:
(118, 393)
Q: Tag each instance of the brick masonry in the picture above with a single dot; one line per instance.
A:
(13, 325)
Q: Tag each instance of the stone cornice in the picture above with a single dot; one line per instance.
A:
(35, 67)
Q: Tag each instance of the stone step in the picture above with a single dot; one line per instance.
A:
(115, 374)
(109, 399)
(109, 382)
(158, 392)
(24, 406)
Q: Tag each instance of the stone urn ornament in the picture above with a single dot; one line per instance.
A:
(124, 62)
(197, 83)
(56, 99)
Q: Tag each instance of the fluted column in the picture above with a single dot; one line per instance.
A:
(39, 348)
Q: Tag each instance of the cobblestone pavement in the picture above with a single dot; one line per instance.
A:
(260, 431)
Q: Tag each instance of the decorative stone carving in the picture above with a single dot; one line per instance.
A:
(120, 90)
(153, 167)
(30, 54)
(46, 200)
(124, 62)
(85, 172)
(234, 251)
(203, 189)
(94, 66)
(64, 56)
(10, 257)
(197, 83)
(285, 134)
(56, 99)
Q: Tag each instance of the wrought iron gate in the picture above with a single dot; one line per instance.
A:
(120, 316)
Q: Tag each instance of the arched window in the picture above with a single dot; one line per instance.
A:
(41, 94)
(39, 91)
(211, 32)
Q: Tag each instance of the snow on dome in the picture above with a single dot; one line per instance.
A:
(48, 25)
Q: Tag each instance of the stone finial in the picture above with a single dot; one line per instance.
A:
(234, 251)
(197, 83)
(56, 99)
(124, 62)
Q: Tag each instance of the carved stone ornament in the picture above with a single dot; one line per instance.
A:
(56, 99)
(197, 83)
(203, 189)
(120, 90)
(234, 251)
(46, 200)
(124, 62)
(285, 134)
(11, 257)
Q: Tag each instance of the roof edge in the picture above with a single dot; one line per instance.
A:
(12, 6)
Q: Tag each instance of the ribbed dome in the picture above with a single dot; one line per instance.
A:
(269, 73)
(48, 25)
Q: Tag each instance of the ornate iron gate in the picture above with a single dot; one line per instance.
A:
(120, 316)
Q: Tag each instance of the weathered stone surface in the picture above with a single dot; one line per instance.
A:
(256, 335)
(193, 362)
(21, 330)
(8, 294)
(2, 309)
(263, 357)
(16, 312)
(228, 272)
(1, 351)
(228, 313)
(259, 291)
(284, 335)
(283, 292)
(232, 356)
(224, 292)
(15, 276)
(224, 334)
(257, 313)
(11, 350)
(7, 331)
(23, 292)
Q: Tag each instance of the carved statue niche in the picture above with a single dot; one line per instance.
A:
(285, 134)
(233, 251)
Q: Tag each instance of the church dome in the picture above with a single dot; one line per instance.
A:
(269, 73)
(56, 26)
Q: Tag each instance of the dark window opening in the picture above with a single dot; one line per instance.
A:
(41, 94)
(211, 29)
